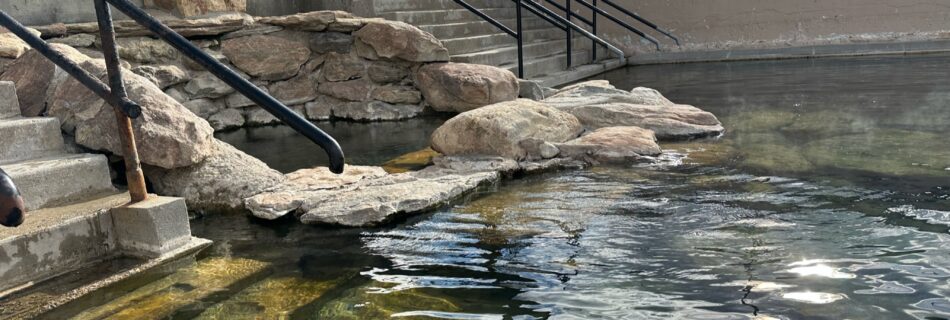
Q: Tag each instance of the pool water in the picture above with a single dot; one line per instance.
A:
(828, 198)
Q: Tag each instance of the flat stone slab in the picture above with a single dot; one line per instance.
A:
(368, 196)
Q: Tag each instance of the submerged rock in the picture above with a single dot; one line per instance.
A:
(612, 145)
(599, 105)
(498, 130)
(460, 87)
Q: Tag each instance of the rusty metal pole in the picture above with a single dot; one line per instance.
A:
(133, 168)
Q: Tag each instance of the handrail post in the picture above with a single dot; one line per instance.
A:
(570, 34)
(520, 39)
(133, 167)
(593, 26)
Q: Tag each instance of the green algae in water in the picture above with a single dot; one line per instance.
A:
(162, 298)
(375, 301)
(273, 298)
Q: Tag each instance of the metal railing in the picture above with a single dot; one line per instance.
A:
(126, 109)
(565, 23)
(545, 14)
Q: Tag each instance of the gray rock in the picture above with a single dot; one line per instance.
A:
(497, 130)
(612, 145)
(220, 183)
(227, 119)
(204, 108)
(206, 85)
(168, 135)
(11, 46)
(308, 21)
(252, 31)
(162, 76)
(82, 40)
(267, 57)
(285, 198)
(387, 72)
(146, 50)
(257, 116)
(177, 94)
(376, 201)
(326, 42)
(353, 90)
(376, 111)
(536, 149)
(322, 108)
(596, 92)
(193, 8)
(392, 39)
(343, 67)
(598, 106)
(530, 90)
(397, 95)
(34, 76)
(238, 100)
(297, 90)
(460, 87)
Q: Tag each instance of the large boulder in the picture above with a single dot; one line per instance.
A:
(33, 75)
(598, 105)
(460, 87)
(612, 145)
(499, 129)
(191, 8)
(392, 39)
(168, 134)
(220, 183)
(268, 57)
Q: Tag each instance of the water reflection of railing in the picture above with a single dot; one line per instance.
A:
(126, 109)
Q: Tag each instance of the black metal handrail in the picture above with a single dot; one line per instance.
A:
(543, 13)
(126, 109)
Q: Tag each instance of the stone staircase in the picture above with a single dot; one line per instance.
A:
(33, 153)
(473, 40)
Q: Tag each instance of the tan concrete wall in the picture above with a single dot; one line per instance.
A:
(706, 25)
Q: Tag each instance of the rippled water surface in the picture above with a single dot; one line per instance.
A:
(827, 199)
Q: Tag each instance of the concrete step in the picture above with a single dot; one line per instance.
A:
(479, 43)
(542, 66)
(60, 179)
(476, 28)
(509, 54)
(559, 78)
(446, 16)
(383, 6)
(29, 138)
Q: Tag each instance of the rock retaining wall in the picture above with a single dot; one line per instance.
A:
(323, 64)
